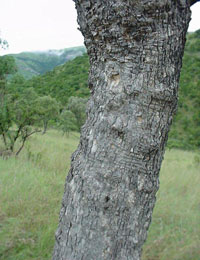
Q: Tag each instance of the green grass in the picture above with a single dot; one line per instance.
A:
(175, 230)
(31, 189)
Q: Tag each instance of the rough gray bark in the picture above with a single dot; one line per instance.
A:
(135, 50)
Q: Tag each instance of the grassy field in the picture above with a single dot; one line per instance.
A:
(31, 189)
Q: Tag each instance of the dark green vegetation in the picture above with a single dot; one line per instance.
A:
(21, 115)
(23, 112)
(185, 132)
(64, 81)
(31, 190)
(35, 63)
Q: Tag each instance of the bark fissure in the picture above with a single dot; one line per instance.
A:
(135, 50)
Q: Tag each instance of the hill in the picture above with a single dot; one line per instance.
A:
(35, 63)
(64, 81)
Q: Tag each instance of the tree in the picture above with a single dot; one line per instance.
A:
(48, 109)
(17, 112)
(135, 50)
(23, 117)
(67, 122)
(7, 66)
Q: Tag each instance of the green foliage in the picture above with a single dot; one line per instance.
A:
(47, 109)
(5, 117)
(72, 118)
(22, 117)
(22, 111)
(17, 79)
(31, 191)
(185, 132)
(67, 122)
(64, 81)
(16, 85)
(7, 66)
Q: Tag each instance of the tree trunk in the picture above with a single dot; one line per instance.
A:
(135, 50)
(45, 124)
(4, 139)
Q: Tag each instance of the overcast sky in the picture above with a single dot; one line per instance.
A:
(30, 25)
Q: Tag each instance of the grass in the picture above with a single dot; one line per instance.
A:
(31, 189)
(175, 230)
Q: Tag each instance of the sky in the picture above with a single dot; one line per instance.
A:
(31, 25)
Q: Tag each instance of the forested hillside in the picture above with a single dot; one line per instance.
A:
(64, 81)
(70, 79)
(185, 132)
(36, 63)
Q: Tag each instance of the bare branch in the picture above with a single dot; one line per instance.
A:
(35, 131)
(24, 140)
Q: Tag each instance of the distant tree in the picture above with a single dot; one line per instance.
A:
(17, 79)
(67, 122)
(78, 106)
(7, 66)
(24, 119)
(17, 113)
(5, 119)
(47, 109)
(19, 119)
